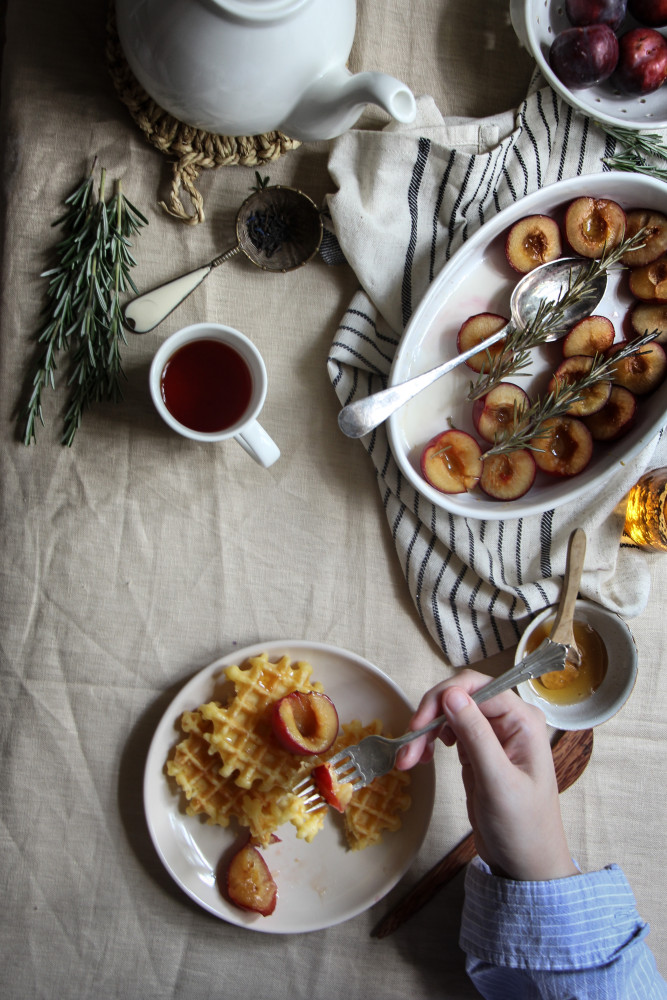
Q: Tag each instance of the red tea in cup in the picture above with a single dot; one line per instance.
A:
(206, 385)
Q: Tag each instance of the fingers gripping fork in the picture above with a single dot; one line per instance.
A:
(376, 755)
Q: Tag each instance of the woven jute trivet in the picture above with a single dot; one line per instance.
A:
(191, 149)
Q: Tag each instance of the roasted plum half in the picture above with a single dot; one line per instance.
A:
(476, 329)
(498, 410)
(584, 57)
(654, 239)
(305, 722)
(250, 884)
(532, 241)
(641, 372)
(590, 336)
(593, 225)
(563, 447)
(615, 418)
(452, 462)
(649, 283)
(646, 318)
(508, 477)
(592, 398)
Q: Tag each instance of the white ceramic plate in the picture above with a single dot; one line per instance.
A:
(537, 22)
(321, 883)
(479, 279)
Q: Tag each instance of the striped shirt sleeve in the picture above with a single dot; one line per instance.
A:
(579, 937)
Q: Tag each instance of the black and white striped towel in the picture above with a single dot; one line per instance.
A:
(407, 198)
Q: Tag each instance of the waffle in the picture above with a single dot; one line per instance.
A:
(230, 765)
(378, 806)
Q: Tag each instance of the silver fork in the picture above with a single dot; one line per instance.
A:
(376, 755)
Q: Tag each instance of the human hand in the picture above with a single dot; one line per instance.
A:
(508, 776)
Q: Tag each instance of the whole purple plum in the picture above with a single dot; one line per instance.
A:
(584, 12)
(652, 13)
(642, 61)
(583, 57)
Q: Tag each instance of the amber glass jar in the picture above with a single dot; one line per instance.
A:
(645, 518)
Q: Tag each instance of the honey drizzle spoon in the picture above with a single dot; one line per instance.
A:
(563, 626)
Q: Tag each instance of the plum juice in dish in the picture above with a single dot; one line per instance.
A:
(206, 385)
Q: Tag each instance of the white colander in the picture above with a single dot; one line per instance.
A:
(537, 22)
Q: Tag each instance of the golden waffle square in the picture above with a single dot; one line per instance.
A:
(242, 733)
(212, 788)
(378, 806)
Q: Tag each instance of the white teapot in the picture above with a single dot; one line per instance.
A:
(245, 67)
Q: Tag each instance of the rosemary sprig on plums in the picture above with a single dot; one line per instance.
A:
(529, 423)
(514, 356)
(83, 314)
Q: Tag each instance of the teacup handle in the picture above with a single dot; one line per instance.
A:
(258, 444)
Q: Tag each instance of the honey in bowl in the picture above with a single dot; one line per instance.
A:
(574, 683)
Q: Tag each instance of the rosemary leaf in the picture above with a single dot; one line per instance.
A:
(529, 423)
(635, 148)
(514, 356)
(83, 313)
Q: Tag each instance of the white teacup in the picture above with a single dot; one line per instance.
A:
(208, 382)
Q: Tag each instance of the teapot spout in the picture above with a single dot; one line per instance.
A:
(332, 104)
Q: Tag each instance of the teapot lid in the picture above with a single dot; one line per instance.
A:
(259, 10)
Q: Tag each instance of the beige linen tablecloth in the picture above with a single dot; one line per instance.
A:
(134, 559)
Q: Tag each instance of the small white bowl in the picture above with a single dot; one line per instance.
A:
(537, 22)
(618, 681)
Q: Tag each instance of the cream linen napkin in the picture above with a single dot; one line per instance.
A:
(407, 198)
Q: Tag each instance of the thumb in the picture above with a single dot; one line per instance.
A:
(474, 734)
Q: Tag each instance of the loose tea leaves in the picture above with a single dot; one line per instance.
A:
(269, 231)
(83, 314)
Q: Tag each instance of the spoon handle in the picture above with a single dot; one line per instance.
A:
(362, 416)
(576, 552)
(143, 313)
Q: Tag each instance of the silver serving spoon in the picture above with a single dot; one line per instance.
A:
(544, 283)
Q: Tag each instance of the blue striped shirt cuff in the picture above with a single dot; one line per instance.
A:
(574, 923)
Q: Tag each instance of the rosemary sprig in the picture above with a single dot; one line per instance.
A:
(549, 316)
(636, 147)
(528, 423)
(93, 269)
(63, 284)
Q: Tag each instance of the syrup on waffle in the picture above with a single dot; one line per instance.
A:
(378, 806)
(230, 765)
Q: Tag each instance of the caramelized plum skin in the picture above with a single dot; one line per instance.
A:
(452, 462)
(584, 57)
(508, 477)
(250, 885)
(581, 13)
(532, 241)
(335, 793)
(593, 225)
(642, 61)
(305, 723)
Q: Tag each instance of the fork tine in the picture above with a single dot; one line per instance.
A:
(309, 794)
